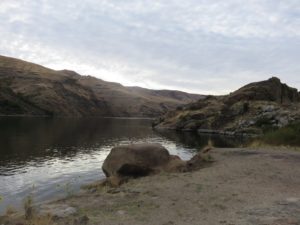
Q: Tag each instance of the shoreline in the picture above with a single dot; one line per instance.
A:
(244, 186)
(211, 132)
(77, 117)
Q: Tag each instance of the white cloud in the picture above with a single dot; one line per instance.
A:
(195, 45)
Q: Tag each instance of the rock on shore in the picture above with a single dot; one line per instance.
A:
(138, 160)
(250, 110)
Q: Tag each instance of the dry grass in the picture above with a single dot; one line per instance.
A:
(40, 220)
(10, 211)
(287, 136)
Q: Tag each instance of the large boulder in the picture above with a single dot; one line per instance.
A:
(132, 161)
(136, 160)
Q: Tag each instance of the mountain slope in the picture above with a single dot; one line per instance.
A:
(252, 109)
(31, 89)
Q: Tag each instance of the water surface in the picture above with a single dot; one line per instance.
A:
(52, 157)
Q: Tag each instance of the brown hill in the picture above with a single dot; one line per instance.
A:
(268, 90)
(250, 110)
(31, 89)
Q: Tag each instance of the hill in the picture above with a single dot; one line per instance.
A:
(31, 89)
(253, 109)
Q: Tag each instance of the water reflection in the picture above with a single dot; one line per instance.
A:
(41, 155)
(198, 141)
(38, 139)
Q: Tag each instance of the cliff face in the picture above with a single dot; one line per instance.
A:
(251, 110)
(30, 89)
(270, 90)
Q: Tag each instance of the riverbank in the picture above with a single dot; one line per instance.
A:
(243, 186)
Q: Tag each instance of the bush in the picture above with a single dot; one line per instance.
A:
(289, 135)
(246, 107)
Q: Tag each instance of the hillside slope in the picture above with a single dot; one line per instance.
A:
(252, 109)
(31, 89)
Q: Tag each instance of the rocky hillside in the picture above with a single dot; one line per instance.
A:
(30, 89)
(252, 109)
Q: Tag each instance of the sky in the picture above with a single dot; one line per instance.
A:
(199, 46)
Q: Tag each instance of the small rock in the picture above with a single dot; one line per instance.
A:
(58, 210)
(81, 221)
(169, 223)
(121, 212)
(282, 121)
(114, 191)
(268, 108)
(292, 200)
(251, 122)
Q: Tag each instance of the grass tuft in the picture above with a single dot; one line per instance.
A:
(28, 207)
(10, 211)
(285, 136)
(41, 220)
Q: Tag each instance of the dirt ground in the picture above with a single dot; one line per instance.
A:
(242, 187)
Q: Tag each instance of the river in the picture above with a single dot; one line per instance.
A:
(50, 158)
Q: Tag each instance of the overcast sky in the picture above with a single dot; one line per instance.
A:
(202, 46)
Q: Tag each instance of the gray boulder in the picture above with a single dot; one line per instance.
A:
(132, 161)
(136, 160)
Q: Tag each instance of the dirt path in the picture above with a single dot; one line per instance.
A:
(242, 187)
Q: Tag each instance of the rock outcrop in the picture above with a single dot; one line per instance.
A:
(132, 161)
(250, 110)
(270, 90)
(30, 89)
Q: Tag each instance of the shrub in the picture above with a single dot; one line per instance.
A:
(28, 207)
(289, 135)
(246, 107)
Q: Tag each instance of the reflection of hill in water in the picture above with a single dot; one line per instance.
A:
(198, 141)
(23, 139)
(36, 140)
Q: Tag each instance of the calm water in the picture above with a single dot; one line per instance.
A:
(50, 158)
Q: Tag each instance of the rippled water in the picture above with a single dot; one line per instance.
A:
(50, 158)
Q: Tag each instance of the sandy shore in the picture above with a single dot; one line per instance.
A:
(243, 186)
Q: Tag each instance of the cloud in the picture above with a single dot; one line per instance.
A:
(195, 45)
